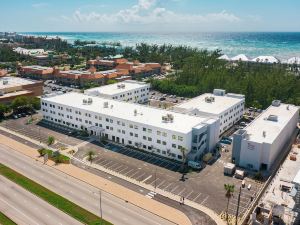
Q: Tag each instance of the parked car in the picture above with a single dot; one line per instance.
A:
(162, 99)
(195, 165)
(227, 142)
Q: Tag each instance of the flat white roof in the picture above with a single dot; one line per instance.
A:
(182, 123)
(219, 105)
(13, 82)
(113, 89)
(272, 129)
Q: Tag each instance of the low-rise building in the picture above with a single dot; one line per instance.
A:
(137, 69)
(130, 91)
(37, 72)
(258, 145)
(229, 108)
(169, 134)
(12, 87)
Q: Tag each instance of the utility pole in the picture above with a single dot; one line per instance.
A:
(100, 206)
(237, 209)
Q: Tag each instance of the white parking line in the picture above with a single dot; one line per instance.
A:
(140, 176)
(174, 188)
(132, 175)
(155, 180)
(204, 200)
(118, 167)
(128, 172)
(168, 186)
(161, 183)
(181, 191)
(197, 197)
(123, 169)
(146, 179)
(188, 195)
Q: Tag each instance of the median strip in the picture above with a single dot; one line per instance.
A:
(5, 220)
(52, 198)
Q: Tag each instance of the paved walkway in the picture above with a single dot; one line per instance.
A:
(118, 190)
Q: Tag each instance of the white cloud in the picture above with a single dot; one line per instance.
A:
(147, 12)
(40, 5)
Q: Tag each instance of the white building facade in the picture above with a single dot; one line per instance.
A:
(258, 145)
(229, 108)
(129, 90)
(169, 134)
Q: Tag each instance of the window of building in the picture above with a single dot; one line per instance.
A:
(164, 143)
(131, 134)
(149, 139)
(174, 137)
(149, 130)
(179, 156)
(144, 129)
(158, 132)
(158, 141)
(173, 145)
(130, 126)
(180, 138)
(164, 134)
(136, 135)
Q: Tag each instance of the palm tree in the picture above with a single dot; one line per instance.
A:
(229, 188)
(183, 152)
(91, 155)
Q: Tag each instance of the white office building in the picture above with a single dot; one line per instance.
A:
(257, 146)
(129, 90)
(154, 130)
(229, 108)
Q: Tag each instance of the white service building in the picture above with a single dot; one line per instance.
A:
(258, 145)
(129, 90)
(154, 130)
(229, 108)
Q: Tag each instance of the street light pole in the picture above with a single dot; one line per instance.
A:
(100, 207)
(237, 209)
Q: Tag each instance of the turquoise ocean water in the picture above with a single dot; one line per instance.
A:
(280, 44)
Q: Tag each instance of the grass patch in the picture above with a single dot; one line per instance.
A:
(5, 220)
(52, 198)
(54, 156)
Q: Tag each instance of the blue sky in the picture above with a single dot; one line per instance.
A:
(150, 15)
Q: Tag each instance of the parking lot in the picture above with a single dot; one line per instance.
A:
(205, 187)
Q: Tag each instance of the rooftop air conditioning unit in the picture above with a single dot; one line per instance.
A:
(135, 112)
(273, 118)
(84, 101)
(209, 99)
(276, 103)
(264, 133)
(89, 101)
(105, 105)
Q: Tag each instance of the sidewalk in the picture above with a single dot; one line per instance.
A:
(141, 201)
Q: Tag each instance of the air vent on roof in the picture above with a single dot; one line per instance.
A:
(264, 133)
(121, 86)
(88, 101)
(209, 99)
(135, 112)
(105, 105)
(169, 118)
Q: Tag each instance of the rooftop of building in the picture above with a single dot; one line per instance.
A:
(269, 124)
(211, 103)
(8, 82)
(36, 67)
(131, 112)
(119, 87)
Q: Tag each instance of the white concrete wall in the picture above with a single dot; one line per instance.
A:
(120, 128)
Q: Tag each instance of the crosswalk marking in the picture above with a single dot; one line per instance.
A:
(151, 194)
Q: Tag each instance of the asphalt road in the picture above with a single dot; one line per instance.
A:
(114, 209)
(25, 208)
